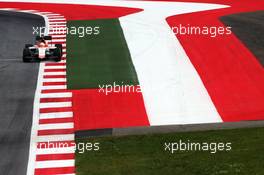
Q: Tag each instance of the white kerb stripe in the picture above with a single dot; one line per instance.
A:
(57, 32)
(54, 80)
(55, 163)
(61, 150)
(57, 19)
(56, 126)
(58, 36)
(58, 22)
(51, 138)
(56, 115)
(55, 73)
(29, 11)
(53, 87)
(56, 95)
(55, 67)
(55, 16)
(55, 105)
(59, 40)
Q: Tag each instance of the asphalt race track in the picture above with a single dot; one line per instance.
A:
(17, 89)
(243, 25)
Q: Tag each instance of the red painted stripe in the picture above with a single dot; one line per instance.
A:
(54, 70)
(55, 157)
(52, 171)
(49, 100)
(94, 110)
(55, 64)
(85, 12)
(54, 76)
(55, 131)
(55, 144)
(54, 91)
(56, 120)
(53, 83)
(51, 110)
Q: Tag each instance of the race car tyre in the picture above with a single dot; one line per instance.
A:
(59, 46)
(57, 54)
(26, 55)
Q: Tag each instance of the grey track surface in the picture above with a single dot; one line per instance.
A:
(249, 28)
(17, 89)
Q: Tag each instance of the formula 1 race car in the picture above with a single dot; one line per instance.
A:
(42, 50)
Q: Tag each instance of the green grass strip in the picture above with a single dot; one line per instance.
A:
(145, 155)
(100, 59)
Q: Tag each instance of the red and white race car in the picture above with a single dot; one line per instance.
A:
(42, 50)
